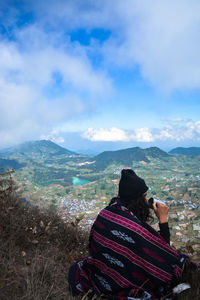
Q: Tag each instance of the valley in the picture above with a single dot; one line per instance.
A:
(51, 176)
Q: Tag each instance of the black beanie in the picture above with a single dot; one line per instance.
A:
(131, 186)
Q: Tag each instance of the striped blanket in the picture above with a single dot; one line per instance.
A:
(127, 258)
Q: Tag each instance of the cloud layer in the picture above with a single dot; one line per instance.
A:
(47, 78)
(43, 84)
(188, 131)
(161, 37)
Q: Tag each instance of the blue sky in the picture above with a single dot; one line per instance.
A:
(100, 74)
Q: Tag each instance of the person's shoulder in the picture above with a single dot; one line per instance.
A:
(121, 210)
(114, 207)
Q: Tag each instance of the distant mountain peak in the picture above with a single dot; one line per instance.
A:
(40, 147)
(127, 156)
(155, 152)
(190, 151)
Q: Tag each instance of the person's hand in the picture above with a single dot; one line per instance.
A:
(161, 210)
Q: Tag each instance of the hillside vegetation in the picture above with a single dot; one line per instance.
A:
(191, 151)
(37, 247)
(34, 148)
(11, 163)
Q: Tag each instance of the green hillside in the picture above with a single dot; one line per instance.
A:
(39, 148)
(10, 164)
(39, 152)
(41, 160)
(155, 152)
(191, 151)
(127, 157)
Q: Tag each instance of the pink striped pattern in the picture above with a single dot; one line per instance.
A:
(178, 271)
(99, 224)
(153, 254)
(83, 274)
(138, 276)
(120, 280)
(139, 230)
(156, 272)
(95, 287)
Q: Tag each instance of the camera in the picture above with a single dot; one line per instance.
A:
(153, 200)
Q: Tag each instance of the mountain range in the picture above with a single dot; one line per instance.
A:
(48, 151)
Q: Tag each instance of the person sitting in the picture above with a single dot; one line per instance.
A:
(128, 259)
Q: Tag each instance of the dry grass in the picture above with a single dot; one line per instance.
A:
(36, 249)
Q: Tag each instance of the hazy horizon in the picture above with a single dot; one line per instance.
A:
(96, 148)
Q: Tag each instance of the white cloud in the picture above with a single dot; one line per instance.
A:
(191, 131)
(118, 135)
(35, 56)
(142, 135)
(159, 37)
(179, 120)
(188, 131)
(197, 127)
(112, 134)
(76, 14)
(166, 134)
(29, 92)
(53, 136)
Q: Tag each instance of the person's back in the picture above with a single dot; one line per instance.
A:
(127, 258)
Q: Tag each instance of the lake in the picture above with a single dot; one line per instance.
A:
(79, 181)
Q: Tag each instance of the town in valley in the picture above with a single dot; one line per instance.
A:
(48, 175)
